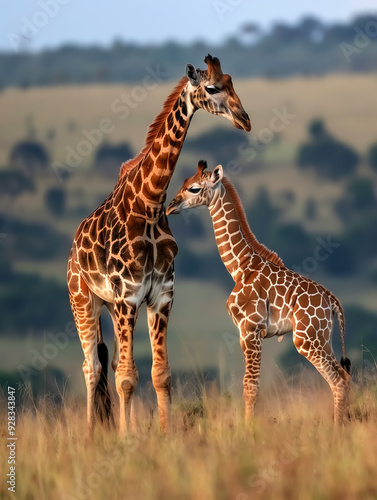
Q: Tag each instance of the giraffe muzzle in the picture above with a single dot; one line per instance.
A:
(173, 208)
(242, 121)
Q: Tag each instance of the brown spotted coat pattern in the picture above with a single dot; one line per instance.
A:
(268, 299)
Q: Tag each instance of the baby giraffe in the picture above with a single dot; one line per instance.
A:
(268, 299)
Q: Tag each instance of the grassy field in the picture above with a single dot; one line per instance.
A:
(290, 451)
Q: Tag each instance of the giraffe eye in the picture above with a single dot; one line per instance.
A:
(212, 89)
(194, 190)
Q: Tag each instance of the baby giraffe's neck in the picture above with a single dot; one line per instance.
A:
(238, 247)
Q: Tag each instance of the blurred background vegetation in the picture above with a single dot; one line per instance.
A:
(310, 185)
(310, 47)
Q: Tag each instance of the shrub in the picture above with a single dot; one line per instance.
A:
(56, 199)
(329, 157)
(359, 196)
(14, 183)
(29, 156)
(109, 157)
(33, 240)
(372, 156)
(28, 301)
(221, 142)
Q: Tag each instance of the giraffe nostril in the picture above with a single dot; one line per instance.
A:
(245, 116)
(171, 207)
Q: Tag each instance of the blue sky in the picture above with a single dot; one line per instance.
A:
(100, 22)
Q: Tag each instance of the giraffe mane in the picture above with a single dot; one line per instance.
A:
(154, 127)
(249, 236)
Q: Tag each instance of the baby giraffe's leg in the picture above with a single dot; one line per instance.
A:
(312, 338)
(251, 344)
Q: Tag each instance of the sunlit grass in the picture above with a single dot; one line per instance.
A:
(291, 449)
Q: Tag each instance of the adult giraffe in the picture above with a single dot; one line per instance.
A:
(123, 253)
(268, 299)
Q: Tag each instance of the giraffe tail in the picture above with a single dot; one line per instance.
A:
(338, 309)
(102, 399)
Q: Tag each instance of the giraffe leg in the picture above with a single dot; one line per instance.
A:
(314, 342)
(86, 308)
(115, 360)
(126, 374)
(158, 317)
(251, 344)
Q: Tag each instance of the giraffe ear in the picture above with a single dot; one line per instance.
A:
(217, 175)
(192, 75)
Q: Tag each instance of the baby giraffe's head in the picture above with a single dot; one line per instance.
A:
(199, 189)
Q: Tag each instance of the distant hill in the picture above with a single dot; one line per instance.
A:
(307, 48)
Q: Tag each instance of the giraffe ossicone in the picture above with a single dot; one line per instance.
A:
(268, 299)
(122, 254)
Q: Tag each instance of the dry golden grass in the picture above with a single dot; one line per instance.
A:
(290, 451)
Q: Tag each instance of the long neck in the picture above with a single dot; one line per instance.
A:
(151, 174)
(237, 245)
(159, 163)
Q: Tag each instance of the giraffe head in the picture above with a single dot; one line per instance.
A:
(213, 91)
(199, 189)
